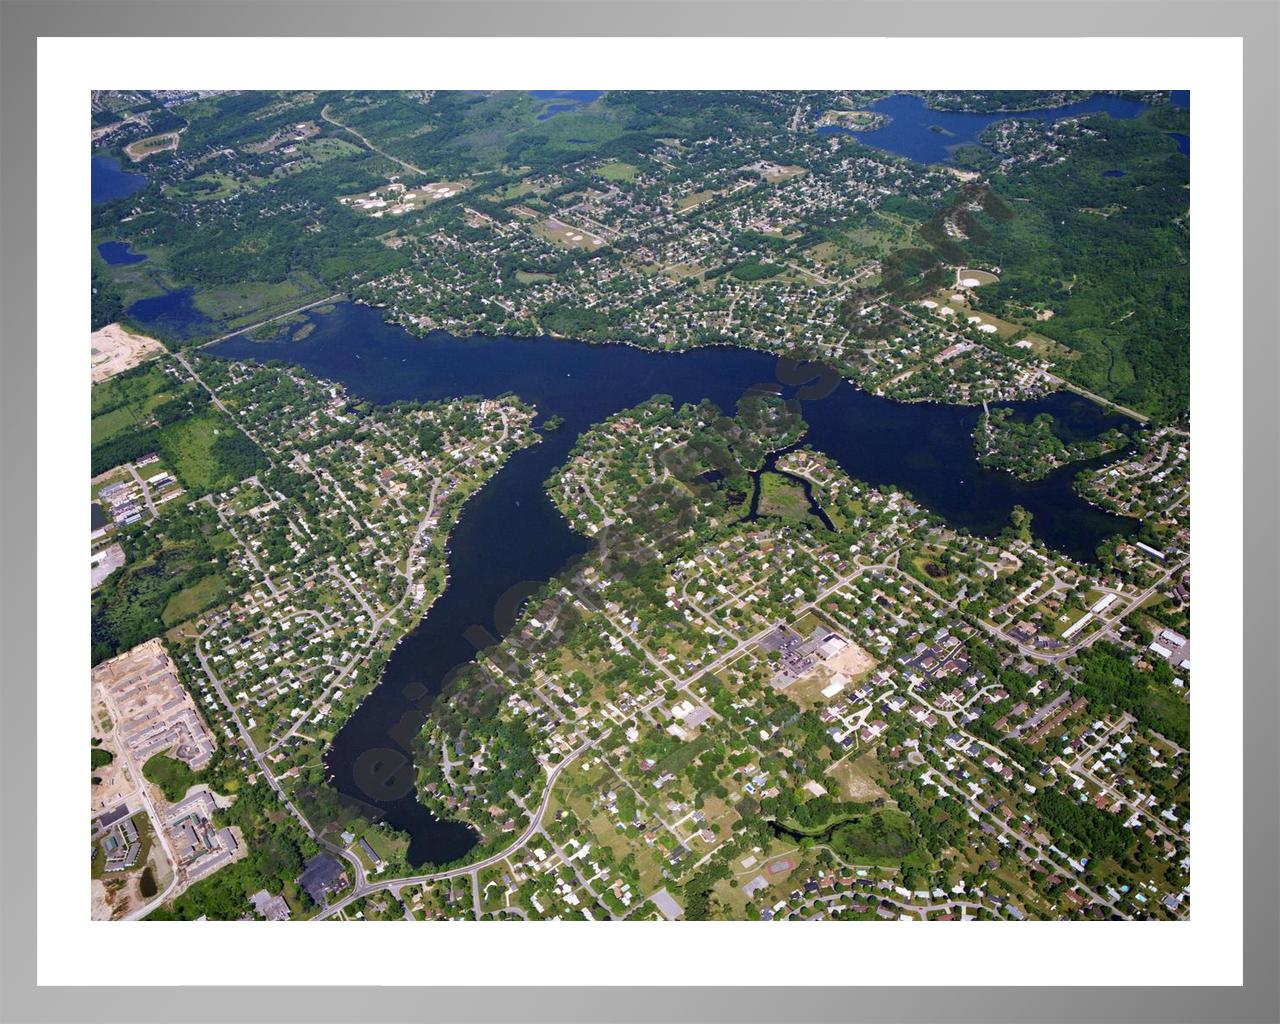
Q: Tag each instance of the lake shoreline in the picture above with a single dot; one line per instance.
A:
(510, 534)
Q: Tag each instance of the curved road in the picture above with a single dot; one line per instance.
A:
(365, 888)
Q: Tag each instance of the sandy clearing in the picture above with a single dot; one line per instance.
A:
(853, 661)
(857, 778)
(114, 350)
(116, 782)
(100, 908)
(844, 668)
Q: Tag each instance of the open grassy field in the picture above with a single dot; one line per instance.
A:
(194, 599)
(566, 236)
(190, 445)
(824, 252)
(616, 170)
(515, 190)
(807, 623)
(694, 199)
(681, 271)
(388, 846)
(316, 151)
(173, 777)
(261, 735)
(782, 497)
(254, 300)
(882, 232)
(528, 277)
(927, 566)
(135, 391)
(111, 423)
(126, 417)
(204, 187)
(125, 403)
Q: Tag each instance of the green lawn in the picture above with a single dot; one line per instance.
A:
(130, 390)
(755, 271)
(518, 190)
(204, 187)
(1067, 618)
(388, 847)
(109, 424)
(692, 200)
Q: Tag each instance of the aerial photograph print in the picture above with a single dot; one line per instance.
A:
(640, 505)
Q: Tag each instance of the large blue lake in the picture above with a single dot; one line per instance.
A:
(171, 314)
(510, 533)
(932, 136)
(108, 180)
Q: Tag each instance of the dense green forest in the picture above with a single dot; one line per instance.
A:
(1100, 832)
(1109, 255)
(1032, 449)
(1108, 676)
(107, 304)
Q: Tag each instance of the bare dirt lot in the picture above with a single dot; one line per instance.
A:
(853, 661)
(102, 904)
(859, 779)
(114, 780)
(151, 709)
(114, 350)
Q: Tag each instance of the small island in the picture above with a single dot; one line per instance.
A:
(553, 422)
